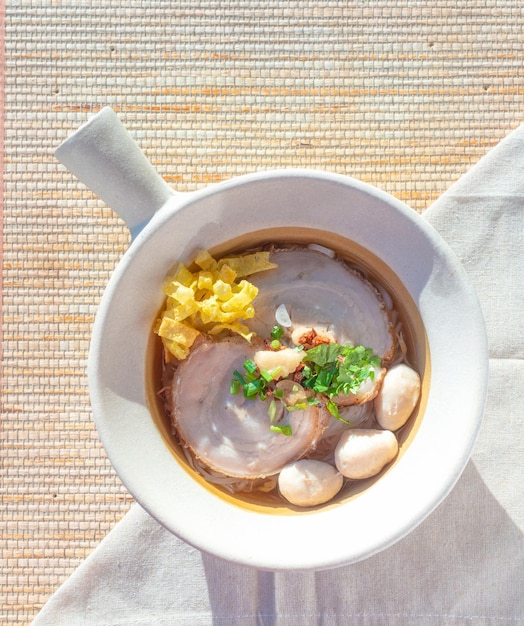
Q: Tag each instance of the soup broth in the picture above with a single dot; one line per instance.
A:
(407, 320)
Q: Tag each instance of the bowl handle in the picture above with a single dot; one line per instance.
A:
(104, 156)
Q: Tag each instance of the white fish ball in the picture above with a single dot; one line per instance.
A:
(397, 397)
(309, 483)
(363, 452)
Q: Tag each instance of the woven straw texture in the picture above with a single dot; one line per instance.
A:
(400, 93)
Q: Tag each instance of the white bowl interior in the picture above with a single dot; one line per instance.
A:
(406, 253)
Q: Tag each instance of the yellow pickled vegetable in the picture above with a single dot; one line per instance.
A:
(211, 299)
(248, 264)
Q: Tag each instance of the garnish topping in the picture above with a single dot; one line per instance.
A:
(325, 371)
(277, 332)
(276, 335)
(209, 297)
(333, 369)
(285, 429)
(254, 383)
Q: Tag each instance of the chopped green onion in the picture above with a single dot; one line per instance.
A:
(267, 376)
(239, 377)
(250, 366)
(299, 406)
(279, 393)
(272, 411)
(251, 389)
(277, 332)
(234, 387)
(284, 430)
(275, 344)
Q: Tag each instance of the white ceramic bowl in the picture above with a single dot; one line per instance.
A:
(380, 232)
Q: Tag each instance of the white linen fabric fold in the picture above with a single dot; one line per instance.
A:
(463, 565)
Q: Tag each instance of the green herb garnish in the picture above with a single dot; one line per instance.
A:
(234, 388)
(254, 384)
(250, 366)
(299, 406)
(277, 332)
(329, 370)
(285, 429)
(333, 369)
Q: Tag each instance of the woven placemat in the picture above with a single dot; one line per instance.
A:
(398, 93)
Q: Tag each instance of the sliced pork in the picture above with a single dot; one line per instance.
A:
(231, 434)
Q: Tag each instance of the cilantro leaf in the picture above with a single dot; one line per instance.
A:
(324, 353)
(333, 369)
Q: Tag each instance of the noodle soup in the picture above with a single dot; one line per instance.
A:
(408, 347)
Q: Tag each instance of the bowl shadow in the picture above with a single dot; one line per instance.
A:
(454, 565)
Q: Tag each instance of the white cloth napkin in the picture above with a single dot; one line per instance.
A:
(463, 565)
